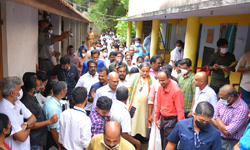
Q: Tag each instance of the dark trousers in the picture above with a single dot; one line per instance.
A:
(50, 141)
(166, 127)
(245, 96)
(45, 64)
(228, 144)
(216, 89)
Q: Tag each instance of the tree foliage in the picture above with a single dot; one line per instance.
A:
(121, 29)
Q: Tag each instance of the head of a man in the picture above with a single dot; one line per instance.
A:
(79, 95)
(43, 24)
(105, 52)
(228, 95)
(122, 72)
(113, 80)
(222, 45)
(112, 134)
(200, 79)
(116, 47)
(98, 46)
(83, 52)
(27, 75)
(121, 48)
(43, 78)
(60, 89)
(144, 69)
(65, 63)
(32, 85)
(131, 50)
(92, 67)
(112, 56)
(71, 49)
(203, 114)
(103, 75)
(164, 77)
(83, 43)
(90, 29)
(118, 57)
(11, 88)
(179, 45)
(95, 54)
(186, 66)
(122, 94)
(178, 66)
(137, 41)
(139, 61)
(103, 106)
(128, 58)
(156, 62)
(50, 27)
(5, 125)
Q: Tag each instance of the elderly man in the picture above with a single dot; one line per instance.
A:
(203, 92)
(169, 107)
(110, 139)
(108, 90)
(11, 106)
(196, 133)
(119, 113)
(230, 116)
(51, 107)
(75, 125)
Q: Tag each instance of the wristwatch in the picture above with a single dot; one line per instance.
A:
(26, 124)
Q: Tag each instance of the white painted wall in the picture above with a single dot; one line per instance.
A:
(175, 37)
(20, 38)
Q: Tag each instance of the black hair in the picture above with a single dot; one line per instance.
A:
(91, 61)
(205, 108)
(180, 42)
(27, 75)
(112, 54)
(48, 88)
(186, 61)
(79, 95)
(138, 39)
(128, 55)
(104, 103)
(139, 58)
(168, 74)
(41, 76)
(30, 83)
(167, 67)
(83, 41)
(118, 53)
(177, 63)
(65, 60)
(121, 66)
(50, 25)
(122, 93)
(116, 46)
(104, 129)
(4, 121)
(84, 50)
(93, 52)
(134, 70)
(154, 58)
(222, 42)
(71, 46)
(104, 69)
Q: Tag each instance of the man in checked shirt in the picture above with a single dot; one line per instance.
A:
(230, 117)
(99, 115)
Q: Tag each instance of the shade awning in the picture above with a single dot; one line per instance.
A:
(59, 7)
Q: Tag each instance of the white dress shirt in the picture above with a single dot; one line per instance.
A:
(87, 80)
(16, 113)
(176, 55)
(75, 129)
(124, 83)
(104, 91)
(119, 113)
(206, 95)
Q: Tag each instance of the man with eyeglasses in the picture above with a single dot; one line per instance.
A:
(230, 116)
(156, 63)
(108, 90)
(196, 133)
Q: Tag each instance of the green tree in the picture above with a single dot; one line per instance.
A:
(121, 29)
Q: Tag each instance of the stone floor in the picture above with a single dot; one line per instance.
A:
(144, 146)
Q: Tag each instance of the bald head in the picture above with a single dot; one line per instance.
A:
(113, 75)
(202, 75)
(200, 79)
(113, 80)
(112, 128)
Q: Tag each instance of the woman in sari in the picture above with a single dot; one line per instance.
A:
(139, 88)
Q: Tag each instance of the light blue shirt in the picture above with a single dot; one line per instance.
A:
(140, 53)
(104, 91)
(147, 43)
(206, 95)
(50, 108)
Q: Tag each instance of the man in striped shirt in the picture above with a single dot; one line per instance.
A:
(230, 116)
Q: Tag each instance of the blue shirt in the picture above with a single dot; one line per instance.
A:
(184, 132)
(50, 108)
(100, 64)
(70, 77)
(140, 53)
(147, 43)
(95, 86)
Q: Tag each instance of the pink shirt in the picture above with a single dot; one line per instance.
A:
(152, 73)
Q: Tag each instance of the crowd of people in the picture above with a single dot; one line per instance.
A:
(109, 96)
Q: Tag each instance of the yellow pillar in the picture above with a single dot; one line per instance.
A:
(154, 37)
(191, 40)
(139, 25)
(129, 31)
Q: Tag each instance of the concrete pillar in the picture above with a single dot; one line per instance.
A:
(66, 22)
(73, 28)
(154, 37)
(129, 32)
(56, 21)
(139, 25)
(78, 30)
(191, 40)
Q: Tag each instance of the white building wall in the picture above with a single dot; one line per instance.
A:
(20, 38)
(56, 21)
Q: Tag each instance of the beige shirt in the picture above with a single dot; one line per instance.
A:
(244, 62)
(73, 59)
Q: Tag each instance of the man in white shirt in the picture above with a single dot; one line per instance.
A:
(16, 111)
(88, 79)
(122, 72)
(119, 113)
(108, 90)
(203, 92)
(177, 53)
(75, 125)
